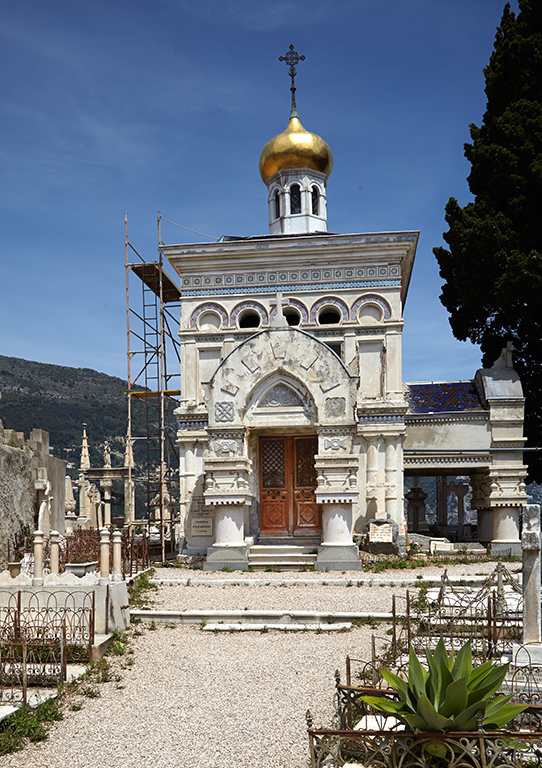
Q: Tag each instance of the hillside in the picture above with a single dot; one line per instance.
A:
(59, 399)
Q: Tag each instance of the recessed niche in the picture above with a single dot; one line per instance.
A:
(293, 317)
(369, 314)
(329, 316)
(209, 321)
(250, 319)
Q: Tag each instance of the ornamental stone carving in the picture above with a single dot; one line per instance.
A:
(335, 407)
(224, 411)
(335, 443)
(281, 395)
(225, 446)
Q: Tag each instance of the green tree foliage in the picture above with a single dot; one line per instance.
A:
(493, 266)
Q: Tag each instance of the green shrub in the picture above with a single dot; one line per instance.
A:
(448, 695)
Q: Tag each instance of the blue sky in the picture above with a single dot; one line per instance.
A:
(129, 105)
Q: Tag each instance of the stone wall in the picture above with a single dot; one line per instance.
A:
(25, 469)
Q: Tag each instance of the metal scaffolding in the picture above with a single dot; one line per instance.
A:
(150, 342)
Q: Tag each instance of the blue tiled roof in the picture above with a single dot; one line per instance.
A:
(442, 397)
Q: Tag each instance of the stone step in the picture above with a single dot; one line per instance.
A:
(295, 541)
(281, 558)
(297, 561)
(280, 566)
(285, 618)
(313, 627)
(287, 549)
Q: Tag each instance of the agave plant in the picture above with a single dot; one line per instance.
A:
(448, 695)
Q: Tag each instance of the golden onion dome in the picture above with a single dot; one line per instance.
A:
(295, 148)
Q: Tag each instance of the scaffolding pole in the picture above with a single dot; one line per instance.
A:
(151, 385)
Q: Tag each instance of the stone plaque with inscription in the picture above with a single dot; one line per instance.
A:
(380, 537)
(380, 532)
(202, 525)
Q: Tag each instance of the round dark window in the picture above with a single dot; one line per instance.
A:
(250, 320)
(329, 316)
(292, 316)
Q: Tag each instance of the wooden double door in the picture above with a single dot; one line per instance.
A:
(288, 486)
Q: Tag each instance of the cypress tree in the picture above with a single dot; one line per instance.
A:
(493, 264)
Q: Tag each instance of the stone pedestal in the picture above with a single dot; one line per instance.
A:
(485, 525)
(337, 524)
(338, 558)
(506, 531)
(337, 551)
(229, 549)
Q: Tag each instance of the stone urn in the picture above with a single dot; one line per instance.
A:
(81, 569)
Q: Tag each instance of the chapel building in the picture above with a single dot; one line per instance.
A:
(295, 425)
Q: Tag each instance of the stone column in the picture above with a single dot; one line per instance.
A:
(416, 500)
(104, 556)
(37, 580)
(461, 491)
(530, 544)
(129, 500)
(117, 556)
(371, 489)
(54, 544)
(391, 484)
(442, 500)
(107, 485)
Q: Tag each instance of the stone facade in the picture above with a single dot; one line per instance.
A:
(311, 346)
(294, 421)
(30, 479)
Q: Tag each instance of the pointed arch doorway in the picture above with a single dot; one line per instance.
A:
(288, 486)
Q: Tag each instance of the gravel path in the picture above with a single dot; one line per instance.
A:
(200, 700)
(205, 700)
(288, 598)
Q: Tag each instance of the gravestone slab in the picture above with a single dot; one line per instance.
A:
(380, 537)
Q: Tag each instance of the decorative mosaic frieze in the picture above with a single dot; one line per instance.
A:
(287, 276)
(224, 411)
(255, 305)
(295, 304)
(328, 301)
(208, 306)
(326, 334)
(370, 298)
(291, 287)
(393, 418)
